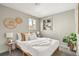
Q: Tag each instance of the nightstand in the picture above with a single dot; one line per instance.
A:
(11, 47)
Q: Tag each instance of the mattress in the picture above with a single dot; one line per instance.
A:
(45, 50)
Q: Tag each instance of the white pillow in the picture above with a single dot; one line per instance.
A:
(19, 37)
(32, 36)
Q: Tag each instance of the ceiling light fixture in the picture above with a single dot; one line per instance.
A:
(37, 4)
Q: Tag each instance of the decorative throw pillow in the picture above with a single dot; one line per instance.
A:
(19, 36)
(23, 37)
(26, 36)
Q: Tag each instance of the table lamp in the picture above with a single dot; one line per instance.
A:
(9, 36)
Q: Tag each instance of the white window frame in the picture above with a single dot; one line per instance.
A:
(32, 24)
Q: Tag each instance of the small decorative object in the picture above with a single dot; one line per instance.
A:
(71, 40)
(47, 23)
(10, 23)
(18, 20)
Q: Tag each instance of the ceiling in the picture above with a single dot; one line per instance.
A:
(41, 9)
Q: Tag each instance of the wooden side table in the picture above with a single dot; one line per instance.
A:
(10, 47)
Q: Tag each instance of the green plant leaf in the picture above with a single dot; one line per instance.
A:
(70, 38)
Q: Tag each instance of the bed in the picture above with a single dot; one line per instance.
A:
(39, 46)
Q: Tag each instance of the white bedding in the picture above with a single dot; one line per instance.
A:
(40, 42)
(39, 46)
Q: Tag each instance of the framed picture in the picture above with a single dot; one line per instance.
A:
(47, 23)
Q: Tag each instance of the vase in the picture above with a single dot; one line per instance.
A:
(70, 45)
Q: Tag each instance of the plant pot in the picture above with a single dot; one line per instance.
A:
(71, 46)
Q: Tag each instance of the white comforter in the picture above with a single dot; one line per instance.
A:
(40, 42)
(39, 46)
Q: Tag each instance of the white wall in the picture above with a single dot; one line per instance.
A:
(8, 12)
(63, 23)
(77, 26)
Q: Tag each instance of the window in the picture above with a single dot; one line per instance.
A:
(32, 24)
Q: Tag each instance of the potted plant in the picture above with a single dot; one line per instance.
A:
(71, 40)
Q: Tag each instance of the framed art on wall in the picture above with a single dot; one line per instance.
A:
(47, 23)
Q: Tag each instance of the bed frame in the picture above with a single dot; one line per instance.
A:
(57, 50)
(27, 53)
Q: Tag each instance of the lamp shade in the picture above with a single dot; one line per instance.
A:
(9, 35)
